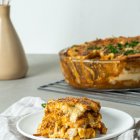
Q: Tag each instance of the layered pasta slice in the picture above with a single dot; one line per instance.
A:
(72, 118)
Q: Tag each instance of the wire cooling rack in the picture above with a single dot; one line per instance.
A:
(127, 96)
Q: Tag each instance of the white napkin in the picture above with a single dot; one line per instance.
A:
(10, 116)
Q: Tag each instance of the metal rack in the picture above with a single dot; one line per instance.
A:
(127, 96)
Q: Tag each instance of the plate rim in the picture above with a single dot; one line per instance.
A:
(102, 138)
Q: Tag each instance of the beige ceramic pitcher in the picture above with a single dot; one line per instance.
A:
(13, 63)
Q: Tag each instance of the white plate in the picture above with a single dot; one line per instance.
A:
(116, 121)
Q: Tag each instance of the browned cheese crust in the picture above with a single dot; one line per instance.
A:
(107, 49)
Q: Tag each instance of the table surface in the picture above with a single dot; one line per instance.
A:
(43, 69)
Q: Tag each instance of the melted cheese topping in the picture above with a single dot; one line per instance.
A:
(74, 112)
(126, 75)
(115, 48)
(72, 132)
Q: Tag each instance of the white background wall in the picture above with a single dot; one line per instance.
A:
(47, 26)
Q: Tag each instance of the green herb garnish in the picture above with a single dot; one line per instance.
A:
(130, 52)
(134, 43)
(131, 44)
(97, 48)
(43, 105)
(127, 45)
(112, 49)
(94, 48)
(120, 46)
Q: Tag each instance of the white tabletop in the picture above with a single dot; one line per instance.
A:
(44, 69)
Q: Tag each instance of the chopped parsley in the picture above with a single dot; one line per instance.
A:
(93, 48)
(43, 105)
(112, 49)
(127, 45)
(131, 52)
(131, 44)
(120, 46)
(134, 43)
(97, 48)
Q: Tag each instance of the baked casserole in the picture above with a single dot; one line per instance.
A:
(72, 118)
(103, 63)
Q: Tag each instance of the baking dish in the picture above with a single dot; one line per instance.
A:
(123, 72)
(100, 74)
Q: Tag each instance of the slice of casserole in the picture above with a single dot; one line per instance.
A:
(72, 118)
